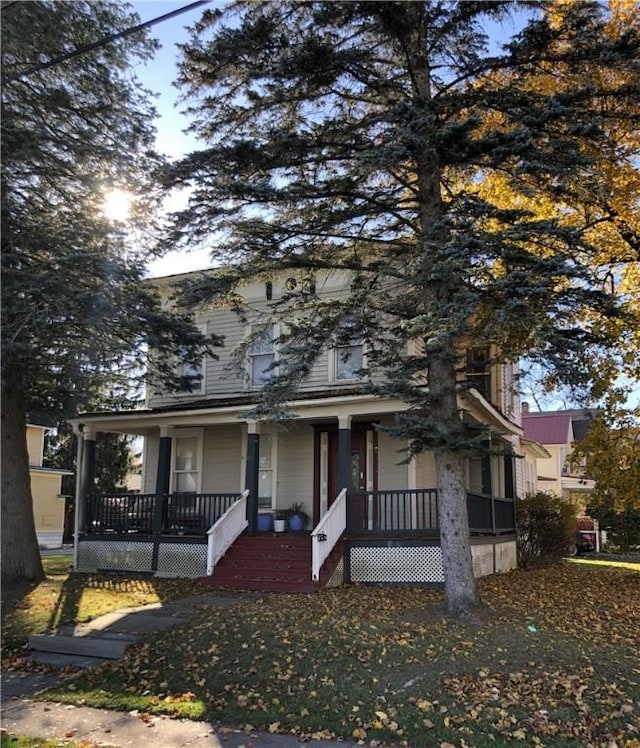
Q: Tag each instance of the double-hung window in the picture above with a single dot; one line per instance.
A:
(261, 356)
(348, 354)
(195, 373)
(187, 463)
(479, 370)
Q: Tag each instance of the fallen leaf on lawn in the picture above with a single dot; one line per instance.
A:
(274, 727)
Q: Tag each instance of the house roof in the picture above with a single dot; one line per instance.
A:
(548, 428)
(580, 418)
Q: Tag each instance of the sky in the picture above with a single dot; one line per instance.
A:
(159, 74)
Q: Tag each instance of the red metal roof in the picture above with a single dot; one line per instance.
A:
(548, 429)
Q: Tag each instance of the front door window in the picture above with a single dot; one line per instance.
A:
(357, 470)
(265, 474)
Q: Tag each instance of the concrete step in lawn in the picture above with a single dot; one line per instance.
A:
(82, 646)
(106, 638)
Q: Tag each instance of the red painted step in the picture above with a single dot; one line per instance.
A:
(271, 563)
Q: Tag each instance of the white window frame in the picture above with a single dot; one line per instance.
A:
(253, 329)
(202, 327)
(334, 361)
(476, 378)
(197, 433)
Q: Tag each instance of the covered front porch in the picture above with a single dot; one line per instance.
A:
(383, 537)
(209, 473)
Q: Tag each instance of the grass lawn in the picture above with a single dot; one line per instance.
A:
(634, 565)
(23, 741)
(553, 660)
(64, 598)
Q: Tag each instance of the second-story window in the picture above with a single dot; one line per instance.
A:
(348, 354)
(195, 373)
(479, 370)
(261, 357)
(349, 360)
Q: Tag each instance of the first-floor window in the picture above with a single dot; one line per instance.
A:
(186, 471)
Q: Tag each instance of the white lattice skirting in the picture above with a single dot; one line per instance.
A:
(421, 563)
(174, 559)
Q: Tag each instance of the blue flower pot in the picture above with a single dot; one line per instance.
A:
(265, 522)
(296, 523)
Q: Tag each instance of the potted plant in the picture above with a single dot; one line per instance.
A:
(297, 517)
(265, 522)
(280, 522)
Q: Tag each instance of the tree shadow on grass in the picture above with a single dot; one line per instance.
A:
(67, 598)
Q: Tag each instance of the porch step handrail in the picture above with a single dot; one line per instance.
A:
(223, 533)
(327, 533)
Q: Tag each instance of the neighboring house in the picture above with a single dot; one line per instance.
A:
(46, 484)
(205, 457)
(558, 431)
(532, 451)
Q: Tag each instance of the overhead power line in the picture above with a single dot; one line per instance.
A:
(101, 43)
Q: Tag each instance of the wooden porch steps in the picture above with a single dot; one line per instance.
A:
(271, 562)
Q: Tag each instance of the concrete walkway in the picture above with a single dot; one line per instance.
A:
(22, 715)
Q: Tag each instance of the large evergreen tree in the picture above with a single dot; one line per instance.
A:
(355, 136)
(74, 313)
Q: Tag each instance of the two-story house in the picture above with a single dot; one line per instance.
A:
(558, 431)
(214, 476)
(46, 484)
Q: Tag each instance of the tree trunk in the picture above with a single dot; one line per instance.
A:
(461, 595)
(20, 554)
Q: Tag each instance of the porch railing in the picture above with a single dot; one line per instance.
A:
(224, 532)
(195, 513)
(416, 510)
(120, 513)
(394, 511)
(327, 532)
(488, 514)
(180, 514)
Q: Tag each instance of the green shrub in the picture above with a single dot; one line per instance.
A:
(546, 528)
(623, 527)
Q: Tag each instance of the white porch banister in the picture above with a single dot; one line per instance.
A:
(222, 535)
(327, 533)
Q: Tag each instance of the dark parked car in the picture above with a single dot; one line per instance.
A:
(584, 542)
